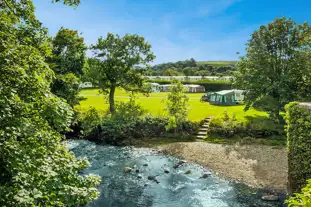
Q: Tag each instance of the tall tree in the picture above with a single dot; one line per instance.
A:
(276, 67)
(116, 58)
(177, 105)
(68, 62)
(36, 169)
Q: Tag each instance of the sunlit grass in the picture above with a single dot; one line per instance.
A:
(155, 104)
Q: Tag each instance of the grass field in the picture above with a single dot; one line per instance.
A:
(216, 63)
(155, 104)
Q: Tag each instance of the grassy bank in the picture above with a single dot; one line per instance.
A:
(155, 104)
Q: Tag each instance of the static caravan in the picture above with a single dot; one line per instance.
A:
(86, 85)
(155, 87)
(195, 88)
(165, 88)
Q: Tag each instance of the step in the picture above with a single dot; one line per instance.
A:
(203, 129)
(201, 137)
(205, 125)
(202, 133)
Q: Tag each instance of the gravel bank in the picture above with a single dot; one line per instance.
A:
(258, 166)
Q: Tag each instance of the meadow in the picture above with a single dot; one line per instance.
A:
(155, 104)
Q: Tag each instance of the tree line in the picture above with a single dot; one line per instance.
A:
(190, 68)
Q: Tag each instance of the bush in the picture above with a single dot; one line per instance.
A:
(298, 129)
(301, 199)
(129, 121)
(255, 127)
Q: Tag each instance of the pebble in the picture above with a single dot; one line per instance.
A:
(127, 169)
(188, 172)
(166, 171)
(270, 198)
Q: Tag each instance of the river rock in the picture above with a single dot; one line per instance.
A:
(182, 162)
(270, 198)
(204, 176)
(127, 169)
(145, 165)
(137, 171)
(151, 177)
(188, 172)
(166, 171)
(139, 176)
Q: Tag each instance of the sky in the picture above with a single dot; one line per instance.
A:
(176, 29)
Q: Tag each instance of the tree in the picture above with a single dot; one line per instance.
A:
(36, 169)
(176, 105)
(68, 62)
(276, 67)
(113, 66)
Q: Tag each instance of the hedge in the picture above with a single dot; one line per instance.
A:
(298, 118)
(209, 85)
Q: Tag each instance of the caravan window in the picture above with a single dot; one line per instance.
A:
(233, 99)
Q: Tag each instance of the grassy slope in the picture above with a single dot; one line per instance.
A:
(155, 104)
(216, 63)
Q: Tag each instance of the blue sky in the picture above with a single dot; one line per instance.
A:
(176, 29)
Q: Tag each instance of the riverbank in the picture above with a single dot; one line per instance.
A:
(256, 165)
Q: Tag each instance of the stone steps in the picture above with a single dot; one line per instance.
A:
(204, 128)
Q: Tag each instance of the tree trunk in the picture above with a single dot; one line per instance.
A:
(111, 99)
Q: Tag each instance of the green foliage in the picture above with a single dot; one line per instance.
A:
(36, 169)
(115, 61)
(193, 68)
(276, 68)
(177, 105)
(301, 199)
(128, 111)
(67, 87)
(129, 121)
(298, 128)
(68, 2)
(228, 126)
(68, 62)
(209, 85)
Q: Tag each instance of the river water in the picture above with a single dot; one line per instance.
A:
(175, 189)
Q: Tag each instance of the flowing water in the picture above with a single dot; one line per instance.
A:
(119, 189)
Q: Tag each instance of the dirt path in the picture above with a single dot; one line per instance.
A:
(259, 166)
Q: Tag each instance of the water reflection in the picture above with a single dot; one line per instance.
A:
(175, 188)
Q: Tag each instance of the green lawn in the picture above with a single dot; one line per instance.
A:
(155, 104)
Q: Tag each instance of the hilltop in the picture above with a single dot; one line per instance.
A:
(192, 67)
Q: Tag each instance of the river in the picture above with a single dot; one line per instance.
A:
(175, 189)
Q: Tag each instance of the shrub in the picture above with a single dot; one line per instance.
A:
(301, 199)
(255, 127)
(176, 106)
(298, 129)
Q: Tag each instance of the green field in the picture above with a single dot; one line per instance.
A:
(155, 104)
(217, 63)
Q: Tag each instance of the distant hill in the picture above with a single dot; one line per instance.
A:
(216, 63)
(192, 67)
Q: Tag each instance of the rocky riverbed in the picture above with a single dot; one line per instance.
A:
(258, 166)
(144, 177)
